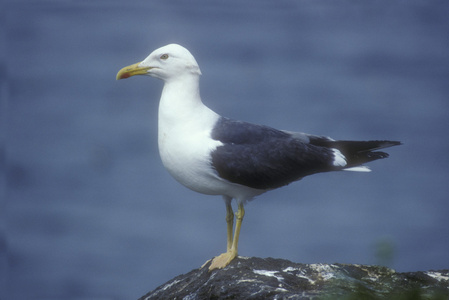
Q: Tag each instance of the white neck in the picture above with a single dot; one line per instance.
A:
(181, 107)
(180, 96)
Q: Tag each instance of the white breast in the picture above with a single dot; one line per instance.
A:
(185, 149)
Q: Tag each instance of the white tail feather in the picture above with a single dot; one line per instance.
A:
(358, 169)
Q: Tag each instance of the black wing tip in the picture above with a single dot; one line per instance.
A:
(393, 143)
(377, 155)
(385, 144)
(364, 152)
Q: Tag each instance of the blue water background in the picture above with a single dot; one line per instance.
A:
(90, 212)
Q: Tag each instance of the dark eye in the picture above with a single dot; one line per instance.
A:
(164, 56)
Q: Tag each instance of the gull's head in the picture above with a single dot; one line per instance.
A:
(166, 63)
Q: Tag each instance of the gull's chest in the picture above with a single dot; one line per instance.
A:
(185, 147)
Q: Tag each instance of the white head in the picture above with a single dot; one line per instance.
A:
(166, 63)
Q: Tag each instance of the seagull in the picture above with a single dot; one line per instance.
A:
(215, 155)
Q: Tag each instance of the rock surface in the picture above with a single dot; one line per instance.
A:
(257, 278)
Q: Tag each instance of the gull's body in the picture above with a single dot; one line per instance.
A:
(214, 155)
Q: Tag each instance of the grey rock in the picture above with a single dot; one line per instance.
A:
(258, 278)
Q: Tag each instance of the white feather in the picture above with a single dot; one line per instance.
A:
(358, 169)
(339, 158)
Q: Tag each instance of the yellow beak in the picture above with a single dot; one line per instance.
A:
(131, 71)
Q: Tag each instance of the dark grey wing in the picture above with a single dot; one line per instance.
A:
(262, 157)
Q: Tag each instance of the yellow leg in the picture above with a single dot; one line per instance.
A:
(238, 224)
(224, 259)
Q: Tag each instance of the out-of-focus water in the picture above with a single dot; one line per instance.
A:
(90, 213)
